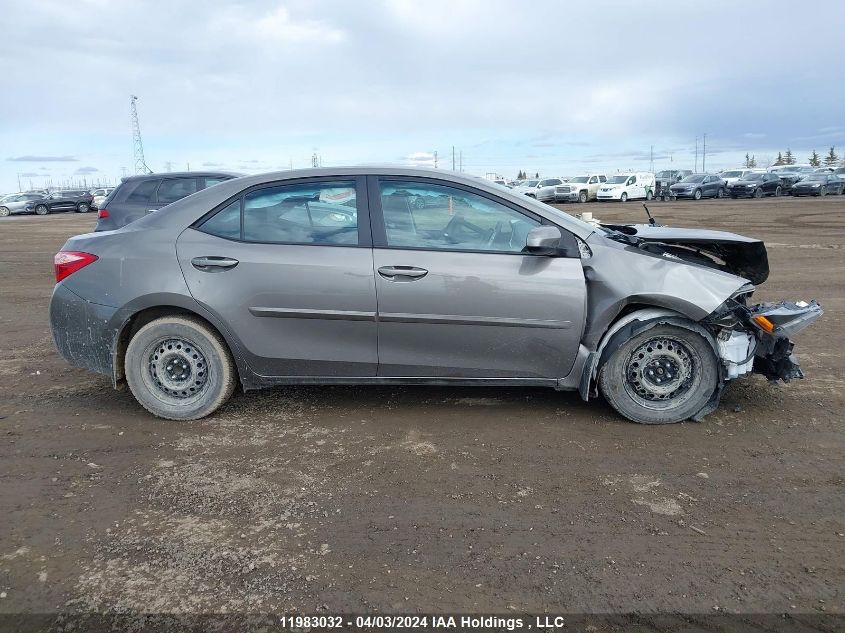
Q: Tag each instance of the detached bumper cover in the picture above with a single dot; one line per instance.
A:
(773, 357)
(81, 330)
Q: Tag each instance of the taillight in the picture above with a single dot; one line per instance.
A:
(66, 263)
(102, 214)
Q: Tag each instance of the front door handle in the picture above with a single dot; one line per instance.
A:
(212, 263)
(402, 273)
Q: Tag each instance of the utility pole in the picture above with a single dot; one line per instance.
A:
(696, 154)
(435, 159)
(315, 159)
(651, 159)
(461, 159)
(167, 166)
(453, 158)
(704, 155)
(138, 146)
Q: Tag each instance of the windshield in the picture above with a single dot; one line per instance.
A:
(581, 179)
(693, 178)
(754, 177)
(731, 174)
(617, 180)
(531, 183)
(816, 178)
(665, 174)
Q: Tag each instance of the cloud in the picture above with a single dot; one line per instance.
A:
(86, 170)
(29, 174)
(44, 159)
(212, 164)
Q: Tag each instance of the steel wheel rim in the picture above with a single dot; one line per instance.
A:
(660, 373)
(176, 370)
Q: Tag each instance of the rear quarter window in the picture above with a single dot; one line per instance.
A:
(144, 191)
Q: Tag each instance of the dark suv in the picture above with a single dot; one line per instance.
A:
(137, 196)
(77, 200)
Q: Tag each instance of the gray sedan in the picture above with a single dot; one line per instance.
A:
(17, 203)
(335, 276)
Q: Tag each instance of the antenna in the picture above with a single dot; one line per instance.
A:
(138, 146)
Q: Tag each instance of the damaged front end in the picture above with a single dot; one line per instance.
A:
(756, 338)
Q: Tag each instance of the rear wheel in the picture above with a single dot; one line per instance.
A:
(582, 197)
(778, 191)
(82, 207)
(179, 369)
(661, 375)
(720, 193)
(648, 195)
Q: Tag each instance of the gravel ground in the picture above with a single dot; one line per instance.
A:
(427, 499)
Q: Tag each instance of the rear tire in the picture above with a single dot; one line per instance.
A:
(720, 193)
(648, 195)
(42, 209)
(83, 207)
(778, 191)
(688, 375)
(178, 368)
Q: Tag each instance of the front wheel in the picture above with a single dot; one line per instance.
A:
(758, 193)
(178, 368)
(778, 191)
(648, 195)
(720, 193)
(82, 207)
(661, 375)
(42, 209)
(697, 194)
(822, 192)
(624, 197)
(582, 197)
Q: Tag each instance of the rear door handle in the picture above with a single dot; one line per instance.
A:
(404, 273)
(212, 263)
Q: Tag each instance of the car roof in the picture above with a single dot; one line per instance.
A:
(180, 174)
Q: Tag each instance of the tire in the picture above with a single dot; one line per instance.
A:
(42, 209)
(624, 197)
(720, 193)
(778, 192)
(822, 192)
(4, 212)
(83, 207)
(648, 195)
(194, 349)
(758, 192)
(734, 196)
(673, 349)
(582, 197)
(697, 194)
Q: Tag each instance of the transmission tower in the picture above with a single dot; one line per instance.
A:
(140, 163)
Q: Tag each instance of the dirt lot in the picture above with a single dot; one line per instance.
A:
(427, 499)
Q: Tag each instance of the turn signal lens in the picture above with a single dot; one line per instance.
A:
(764, 323)
(68, 262)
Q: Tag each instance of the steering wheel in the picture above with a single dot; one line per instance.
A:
(494, 233)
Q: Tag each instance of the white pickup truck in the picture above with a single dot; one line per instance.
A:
(580, 188)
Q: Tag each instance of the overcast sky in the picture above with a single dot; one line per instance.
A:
(549, 86)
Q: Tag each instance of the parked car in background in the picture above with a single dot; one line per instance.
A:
(666, 178)
(324, 276)
(527, 187)
(698, 186)
(78, 200)
(624, 187)
(17, 203)
(137, 196)
(580, 188)
(730, 176)
(787, 181)
(818, 185)
(545, 191)
(100, 195)
(756, 186)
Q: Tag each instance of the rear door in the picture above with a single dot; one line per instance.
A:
(457, 297)
(288, 267)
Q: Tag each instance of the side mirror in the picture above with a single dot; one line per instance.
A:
(549, 241)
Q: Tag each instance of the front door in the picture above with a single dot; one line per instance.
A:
(289, 269)
(457, 298)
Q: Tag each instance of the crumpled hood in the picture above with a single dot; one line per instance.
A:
(732, 253)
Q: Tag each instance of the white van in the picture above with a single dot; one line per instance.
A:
(624, 187)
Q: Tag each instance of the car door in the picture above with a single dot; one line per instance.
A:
(138, 201)
(457, 297)
(59, 201)
(771, 184)
(288, 267)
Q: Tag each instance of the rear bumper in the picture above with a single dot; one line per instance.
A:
(81, 330)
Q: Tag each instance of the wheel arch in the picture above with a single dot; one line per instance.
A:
(144, 315)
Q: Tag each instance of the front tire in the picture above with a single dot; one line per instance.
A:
(822, 192)
(624, 197)
(582, 197)
(660, 375)
(758, 192)
(178, 368)
(42, 209)
(778, 191)
(697, 194)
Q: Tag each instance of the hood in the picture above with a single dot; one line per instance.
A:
(728, 252)
(747, 183)
(685, 185)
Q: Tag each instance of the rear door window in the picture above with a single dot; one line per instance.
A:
(210, 181)
(144, 192)
(173, 189)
